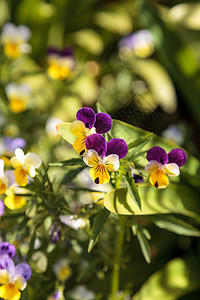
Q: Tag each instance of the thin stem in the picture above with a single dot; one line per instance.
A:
(116, 265)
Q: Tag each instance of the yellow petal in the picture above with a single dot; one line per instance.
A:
(17, 105)
(78, 129)
(64, 273)
(79, 145)
(4, 276)
(58, 72)
(12, 50)
(20, 283)
(152, 166)
(9, 292)
(21, 176)
(15, 162)
(91, 158)
(159, 179)
(171, 169)
(2, 188)
(14, 202)
(112, 162)
(99, 174)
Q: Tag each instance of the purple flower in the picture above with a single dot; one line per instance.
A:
(103, 157)
(87, 124)
(13, 278)
(12, 144)
(7, 248)
(140, 42)
(55, 233)
(1, 208)
(161, 163)
(138, 178)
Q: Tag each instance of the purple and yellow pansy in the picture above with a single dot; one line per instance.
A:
(102, 157)
(162, 164)
(88, 123)
(13, 279)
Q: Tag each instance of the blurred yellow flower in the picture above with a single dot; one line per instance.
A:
(18, 95)
(13, 201)
(14, 40)
(62, 269)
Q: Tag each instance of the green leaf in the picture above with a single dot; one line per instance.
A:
(175, 199)
(142, 140)
(100, 108)
(174, 224)
(71, 174)
(175, 279)
(133, 190)
(98, 224)
(144, 245)
(69, 162)
(64, 130)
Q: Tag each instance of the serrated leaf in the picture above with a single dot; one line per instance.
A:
(133, 190)
(97, 226)
(64, 130)
(71, 174)
(69, 162)
(144, 245)
(175, 225)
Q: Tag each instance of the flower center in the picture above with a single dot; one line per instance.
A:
(90, 131)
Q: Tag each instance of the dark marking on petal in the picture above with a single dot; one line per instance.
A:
(97, 180)
(82, 152)
(156, 184)
(87, 124)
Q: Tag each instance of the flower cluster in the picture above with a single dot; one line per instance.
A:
(11, 181)
(13, 278)
(99, 155)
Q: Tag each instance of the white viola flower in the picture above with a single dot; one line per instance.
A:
(6, 178)
(18, 95)
(81, 292)
(14, 39)
(72, 221)
(62, 269)
(24, 165)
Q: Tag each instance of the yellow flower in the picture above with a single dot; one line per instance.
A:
(6, 179)
(60, 67)
(18, 95)
(13, 201)
(14, 40)
(24, 165)
(62, 269)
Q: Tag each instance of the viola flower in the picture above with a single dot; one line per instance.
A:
(13, 201)
(11, 144)
(61, 63)
(72, 221)
(138, 178)
(58, 295)
(14, 40)
(103, 157)
(162, 164)
(81, 292)
(55, 233)
(18, 95)
(7, 248)
(141, 43)
(88, 123)
(13, 279)
(62, 269)
(6, 179)
(24, 165)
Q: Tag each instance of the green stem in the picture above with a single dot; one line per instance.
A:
(116, 265)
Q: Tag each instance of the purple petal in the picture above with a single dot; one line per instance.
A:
(7, 248)
(23, 270)
(64, 52)
(103, 123)
(1, 208)
(117, 146)
(96, 142)
(12, 144)
(87, 116)
(159, 154)
(177, 156)
(7, 263)
(138, 178)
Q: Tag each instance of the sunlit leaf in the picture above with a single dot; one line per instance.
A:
(84, 37)
(177, 278)
(175, 225)
(64, 130)
(133, 190)
(144, 245)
